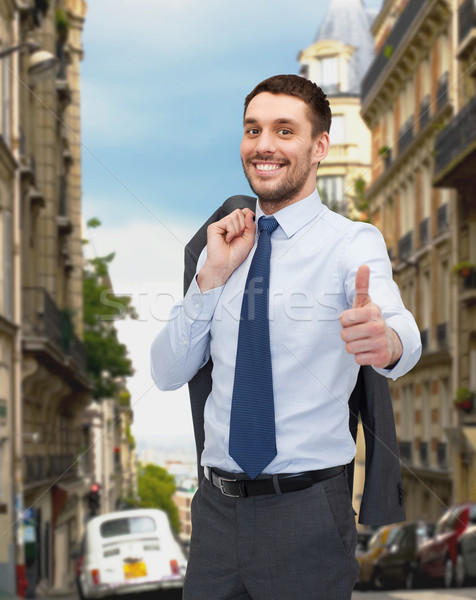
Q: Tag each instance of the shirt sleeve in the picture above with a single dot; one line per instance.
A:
(366, 246)
(182, 347)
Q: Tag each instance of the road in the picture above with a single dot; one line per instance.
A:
(429, 594)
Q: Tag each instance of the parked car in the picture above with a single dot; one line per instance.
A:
(465, 566)
(368, 559)
(439, 555)
(399, 561)
(127, 552)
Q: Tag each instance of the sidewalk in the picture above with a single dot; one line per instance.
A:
(6, 596)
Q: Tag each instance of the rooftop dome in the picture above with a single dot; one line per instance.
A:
(349, 22)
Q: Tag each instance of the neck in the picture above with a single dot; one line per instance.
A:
(273, 206)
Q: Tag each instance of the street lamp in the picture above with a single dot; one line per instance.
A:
(41, 62)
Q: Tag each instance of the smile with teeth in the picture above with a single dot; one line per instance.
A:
(267, 166)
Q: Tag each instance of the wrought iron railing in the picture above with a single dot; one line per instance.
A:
(39, 468)
(466, 18)
(456, 137)
(62, 61)
(393, 41)
(42, 318)
(469, 281)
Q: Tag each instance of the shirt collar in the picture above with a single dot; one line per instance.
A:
(293, 217)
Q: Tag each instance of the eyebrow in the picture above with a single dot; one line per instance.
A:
(283, 120)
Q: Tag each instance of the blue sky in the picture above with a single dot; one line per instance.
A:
(163, 85)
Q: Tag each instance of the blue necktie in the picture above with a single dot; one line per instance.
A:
(252, 427)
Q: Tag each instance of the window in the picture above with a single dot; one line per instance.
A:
(443, 292)
(444, 406)
(426, 412)
(127, 526)
(332, 192)
(426, 189)
(407, 200)
(328, 74)
(425, 301)
(408, 416)
(5, 125)
(6, 275)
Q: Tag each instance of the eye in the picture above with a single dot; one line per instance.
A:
(252, 131)
(284, 132)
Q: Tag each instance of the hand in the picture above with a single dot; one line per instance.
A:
(364, 330)
(229, 242)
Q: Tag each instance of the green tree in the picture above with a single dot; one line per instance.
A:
(156, 488)
(107, 360)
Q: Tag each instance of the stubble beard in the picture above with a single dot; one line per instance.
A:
(282, 193)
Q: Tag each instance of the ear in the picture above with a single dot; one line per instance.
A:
(321, 147)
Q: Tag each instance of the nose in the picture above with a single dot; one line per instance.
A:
(266, 143)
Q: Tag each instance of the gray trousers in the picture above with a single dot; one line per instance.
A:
(293, 546)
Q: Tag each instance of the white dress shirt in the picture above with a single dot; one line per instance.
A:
(314, 259)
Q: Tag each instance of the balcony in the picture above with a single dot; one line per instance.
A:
(455, 150)
(393, 41)
(62, 219)
(406, 451)
(39, 468)
(405, 246)
(442, 221)
(466, 22)
(405, 137)
(46, 327)
(424, 232)
(469, 282)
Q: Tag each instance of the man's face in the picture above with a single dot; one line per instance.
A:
(278, 152)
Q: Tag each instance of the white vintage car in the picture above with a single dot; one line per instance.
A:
(127, 552)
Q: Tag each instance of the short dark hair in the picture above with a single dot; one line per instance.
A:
(294, 85)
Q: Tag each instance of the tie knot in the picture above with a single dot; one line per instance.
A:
(267, 224)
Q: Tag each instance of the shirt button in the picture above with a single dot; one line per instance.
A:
(185, 342)
(197, 305)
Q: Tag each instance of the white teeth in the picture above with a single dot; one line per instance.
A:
(267, 167)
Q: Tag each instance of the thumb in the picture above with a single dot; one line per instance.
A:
(362, 287)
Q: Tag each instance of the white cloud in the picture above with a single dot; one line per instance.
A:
(148, 265)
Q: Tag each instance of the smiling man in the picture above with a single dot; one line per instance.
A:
(289, 299)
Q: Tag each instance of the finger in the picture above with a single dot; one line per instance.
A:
(250, 224)
(362, 287)
(235, 225)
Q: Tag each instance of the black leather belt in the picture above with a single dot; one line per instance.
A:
(292, 482)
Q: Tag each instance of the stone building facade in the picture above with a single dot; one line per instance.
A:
(337, 61)
(409, 95)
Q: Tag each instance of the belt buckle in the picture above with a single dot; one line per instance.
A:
(222, 487)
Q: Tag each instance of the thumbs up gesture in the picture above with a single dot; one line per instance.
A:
(365, 332)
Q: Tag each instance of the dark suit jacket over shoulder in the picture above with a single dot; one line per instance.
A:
(382, 501)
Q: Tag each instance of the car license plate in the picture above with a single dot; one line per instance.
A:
(133, 570)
